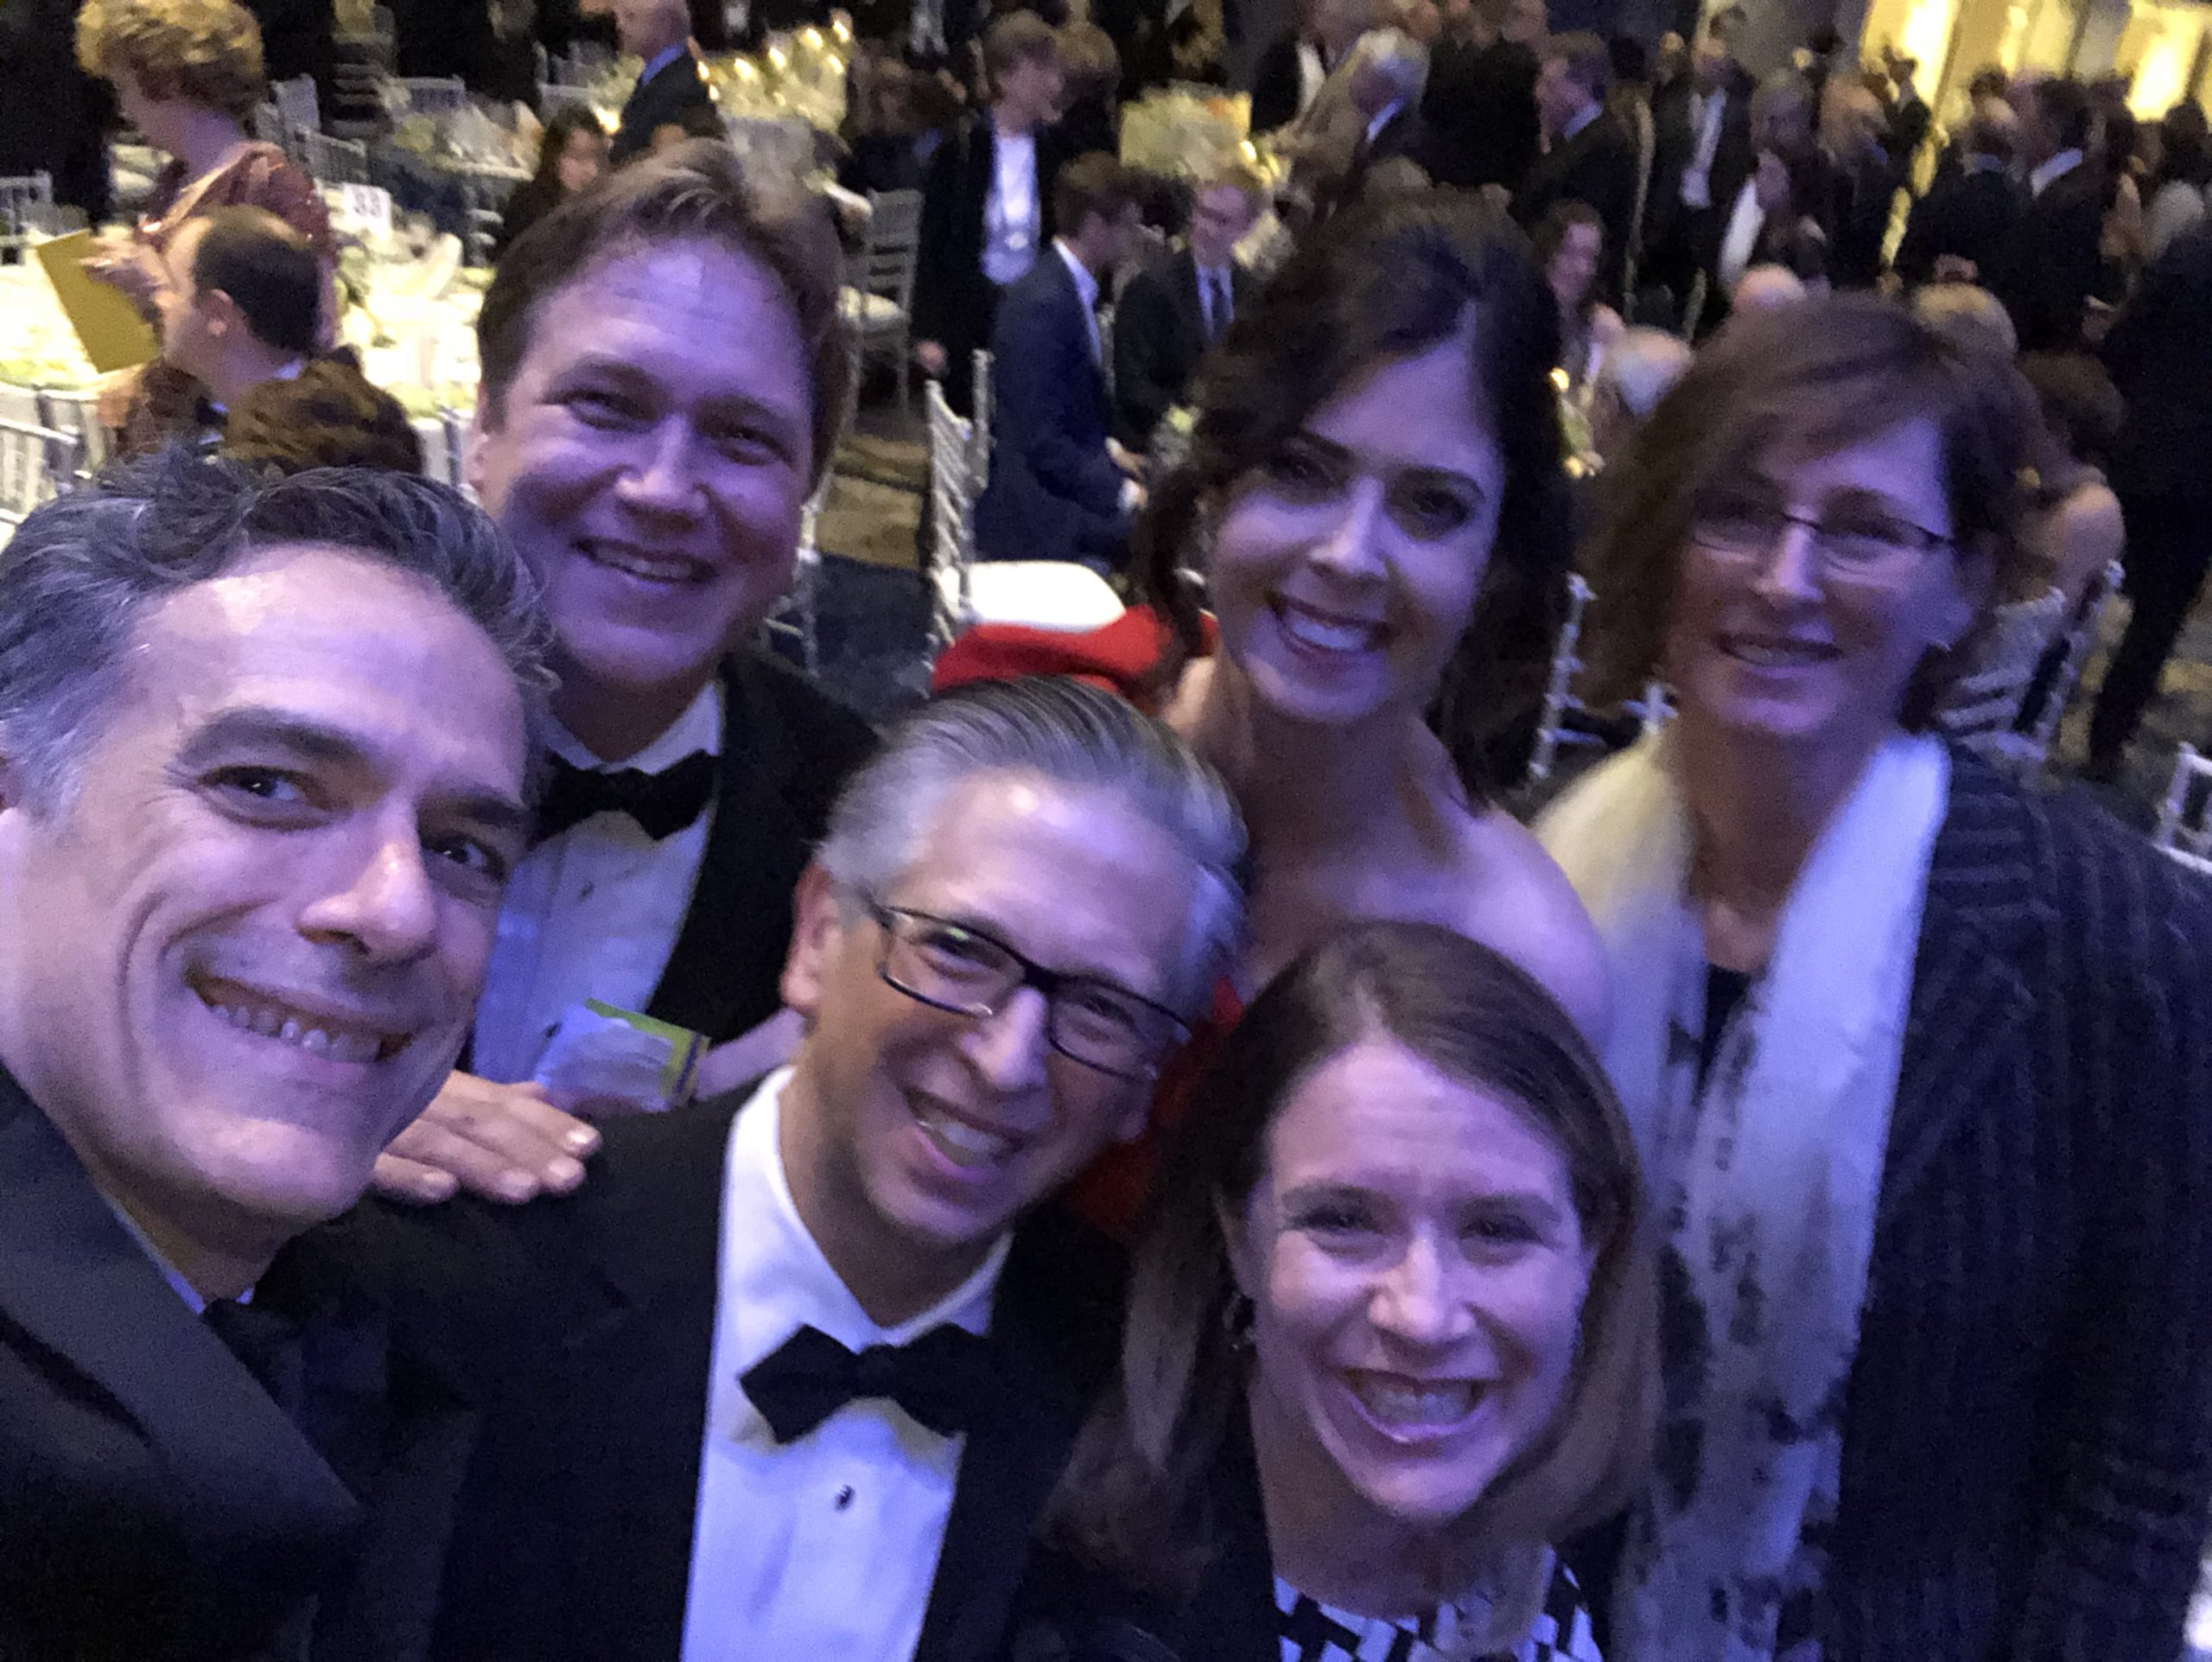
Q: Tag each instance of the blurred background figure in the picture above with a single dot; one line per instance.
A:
(1962, 229)
(1172, 312)
(2176, 197)
(670, 83)
(571, 157)
(1570, 250)
(1480, 102)
(1589, 157)
(1638, 370)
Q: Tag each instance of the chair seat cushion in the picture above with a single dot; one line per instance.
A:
(1055, 595)
(870, 313)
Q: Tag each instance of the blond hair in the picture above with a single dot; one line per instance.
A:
(206, 51)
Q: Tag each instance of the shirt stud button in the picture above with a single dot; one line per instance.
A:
(844, 1497)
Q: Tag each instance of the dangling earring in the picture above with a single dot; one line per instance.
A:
(1237, 1317)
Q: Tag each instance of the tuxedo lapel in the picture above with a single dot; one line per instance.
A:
(755, 851)
(1189, 309)
(1979, 927)
(1054, 1327)
(636, 1385)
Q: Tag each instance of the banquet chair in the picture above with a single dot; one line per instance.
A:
(37, 465)
(2184, 833)
(552, 94)
(1559, 689)
(1983, 705)
(485, 189)
(431, 95)
(877, 298)
(77, 415)
(295, 104)
(334, 161)
(26, 200)
(2055, 693)
(360, 63)
(1054, 595)
(794, 617)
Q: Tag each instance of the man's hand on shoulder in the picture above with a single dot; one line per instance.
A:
(504, 1142)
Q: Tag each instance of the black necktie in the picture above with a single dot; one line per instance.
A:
(267, 1343)
(1218, 312)
(662, 802)
(942, 1380)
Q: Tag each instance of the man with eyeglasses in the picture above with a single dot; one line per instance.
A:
(824, 1355)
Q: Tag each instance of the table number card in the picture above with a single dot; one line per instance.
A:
(367, 209)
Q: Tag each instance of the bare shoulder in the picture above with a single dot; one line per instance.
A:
(1523, 905)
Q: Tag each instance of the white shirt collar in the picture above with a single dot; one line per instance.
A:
(1383, 117)
(699, 728)
(183, 1288)
(661, 61)
(1086, 284)
(2053, 170)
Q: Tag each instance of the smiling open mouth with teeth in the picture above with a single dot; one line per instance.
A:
(1319, 633)
(319, 1035)
(1417, 1407)
(648, 568)
(957, 1141)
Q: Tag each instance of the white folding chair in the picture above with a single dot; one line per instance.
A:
(295, 104)
(2182, 832)
(26, 203)
(2043, 729)
(485, 189)
(552, 94)
(1983, 705)
(77, 415)
(37, 465)
(878, 299)
(794, 617)
(1559, 689)
(334, 161)
(430, 95)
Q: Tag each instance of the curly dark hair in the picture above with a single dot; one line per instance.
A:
(1380, 281)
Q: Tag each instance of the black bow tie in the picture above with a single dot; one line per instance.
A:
(942, 1379)
(662, 802)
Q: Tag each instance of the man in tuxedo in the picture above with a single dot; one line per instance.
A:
(1965, 224)
(1866, 183)
(1701, 159)
(664, 377)
(2053, 264)
(1172, 312)
(262, 762)
(669, 86)
(986, 202)
(826, 1356)
(1389, 67)
(1293, 70)
(1059, 488)
(1589, 156)
(1480, 101)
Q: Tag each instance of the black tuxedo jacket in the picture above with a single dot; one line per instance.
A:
(1277, 84)
(1675, 136)
(656, 102)
(2160, 353)
(955, 303)
(574, 1538)
(1053, 491)
(1159, 335)
(787, 748)
(2053, 264)
(1971, 215)
(156, 1503)
(1480, 108)
(1597, 167)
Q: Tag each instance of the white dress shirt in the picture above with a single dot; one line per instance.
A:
(1746, 221)
(2052, 171)
(1086, 291)
(593, 913)
(1312, 72)
(1708, 111)
(825, 1546)
(1216, 297)
(1381, 118)
(1012, 216)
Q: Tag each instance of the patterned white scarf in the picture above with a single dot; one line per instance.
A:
(1766, 1182)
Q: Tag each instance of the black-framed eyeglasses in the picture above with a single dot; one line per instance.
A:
(957, 967)
(1863, 544)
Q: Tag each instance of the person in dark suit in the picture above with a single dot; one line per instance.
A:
(1976, 1425)
(1908, 119)
(986, 202)
(1388, 67)
(786, 1306)
(1701, 159)
(1966, 221)
(257, 799)
(1171, 312)
(2160, 353)
(663, 374)
(669, 86)
(2053, 264)
(1293, 67)
(1480, 101)
(1865, 184)
(1589, 157)
(1057, 490)
(297, 38)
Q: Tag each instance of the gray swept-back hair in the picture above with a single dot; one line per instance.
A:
(81, 569)
(1073, 735)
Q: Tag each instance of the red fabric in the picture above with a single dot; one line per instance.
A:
(1121, 658)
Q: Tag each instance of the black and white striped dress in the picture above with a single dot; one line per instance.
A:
(1313, 1632)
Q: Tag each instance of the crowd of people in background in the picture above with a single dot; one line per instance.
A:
(1161, 1152)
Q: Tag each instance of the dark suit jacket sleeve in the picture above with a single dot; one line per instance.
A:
(2123, 1532)
(1148, 374)
(1274, 86)
(1036, 353)
(2055, 265)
